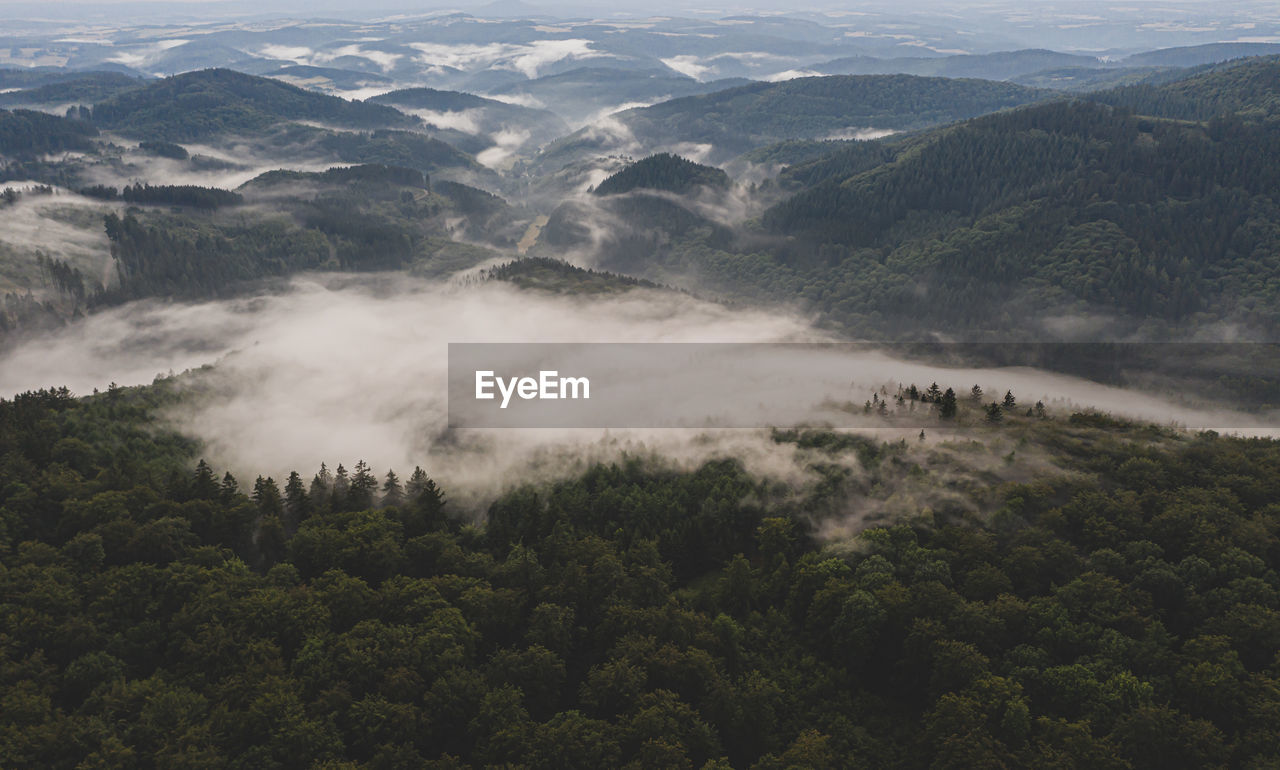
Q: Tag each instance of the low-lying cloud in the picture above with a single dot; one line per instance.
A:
(336, 368)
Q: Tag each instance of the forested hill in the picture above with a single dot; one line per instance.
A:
(1249, 88)
(1123, 616)
(1070, 205)
(808, 107)
(216, 101)
(740, 119)
(84, 88)
(444, 101)
(663, 171)
(27, 134)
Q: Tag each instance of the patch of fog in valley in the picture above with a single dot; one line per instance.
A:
(335, 368)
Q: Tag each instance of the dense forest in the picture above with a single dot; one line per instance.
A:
(81, 88)
(27, 134)
(1124, 613)
(197, 105)
(1071, 207)
(1250, 89)
(663, 171)
(737, 119)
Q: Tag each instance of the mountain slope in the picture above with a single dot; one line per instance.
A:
(728, 123)
(88, 88)
(210, 102)
(663, 172)
(994, 66)
(1249, 88)
(1076, 206)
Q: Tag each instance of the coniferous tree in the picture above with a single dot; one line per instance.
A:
(229, 490)
(363, 485)
(975, 394)
(204, 485)
(947, 408)
(321, 491)
(392, 492)
(932, 394)
(296, 503)
(266, 494)
(417, 483)
(994, 412)
(1009, 401)
(339, 489)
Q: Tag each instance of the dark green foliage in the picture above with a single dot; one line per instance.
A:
(180, 195)
(197, 105)
(663, 171)
(165, 150)
(402, 149)
(75, 88)
(433, 99)
(557, 275)
(189, 259)
(368, 217)
(1069, 206)
(738, 119)
(1126, 615)
(27, 134)
(373, 174)
(1249, 88)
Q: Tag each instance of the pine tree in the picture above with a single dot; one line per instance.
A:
(392, 493)
(417, 483)
(932, 394)
(338, 489)
(363, 485)
(975, 394)
(994, 412)
(229, 490)
(947, 409)
(204, 486)
(1009, 401)
(267, 496)
(296, 504)
(321, 490)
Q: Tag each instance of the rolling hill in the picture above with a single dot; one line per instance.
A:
(663, 171)
(206, 103)
(1249, 88)
(1065, 209)
(721, 125)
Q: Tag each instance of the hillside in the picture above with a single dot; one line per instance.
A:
(27, 134)
(586, 92)
(443, 101)
(1060, 209)
(663, 172)
(1196, 55)
(1117, 611)
(1249, 88)
(88, 88)
(731, 122)
(206, 103)
(475, 123)
(1004, 65)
